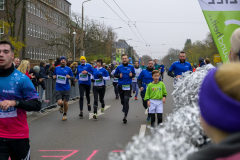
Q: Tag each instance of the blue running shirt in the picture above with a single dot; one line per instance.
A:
(62, 82)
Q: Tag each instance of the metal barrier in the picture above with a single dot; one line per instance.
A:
(48, 96)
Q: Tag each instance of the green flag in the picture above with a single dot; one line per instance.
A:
(223, 17)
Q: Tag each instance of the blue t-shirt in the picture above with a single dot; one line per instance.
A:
(84, 78)
(162, 69)
(62, 82)
(103, 72)
(125, 70)
(180, 68)
(146, 78)
(156, 66)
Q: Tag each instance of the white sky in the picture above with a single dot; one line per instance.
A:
(179, 20)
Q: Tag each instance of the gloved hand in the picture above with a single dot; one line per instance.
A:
(100, 76)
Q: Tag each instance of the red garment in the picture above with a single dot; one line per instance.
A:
(232, 157)
(194, 69)
(27, 74)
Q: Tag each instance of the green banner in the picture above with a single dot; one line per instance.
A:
(223, 17)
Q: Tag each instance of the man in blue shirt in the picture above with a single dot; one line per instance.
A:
(180, 66)
(156, 66)
(84, 72)
(162, 69)
(143, 80)
(143, 66)
(125, 73)
(62, 74)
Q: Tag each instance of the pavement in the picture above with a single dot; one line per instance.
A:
(89, 139)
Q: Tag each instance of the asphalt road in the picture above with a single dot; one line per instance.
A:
(89, 139)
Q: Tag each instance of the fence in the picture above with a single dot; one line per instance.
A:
(47, 96)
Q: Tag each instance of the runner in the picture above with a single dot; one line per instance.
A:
(125, 73)
(180, 66)
(134, 80)
(84, 72)
(144, 79)
(115, 83)
(99, 77)
(143, 66)
(62, 94)
(156, 66)
(17, 95)
(162, 69)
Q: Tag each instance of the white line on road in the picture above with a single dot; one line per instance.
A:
(142, 130)
(146, 111)
(98, 112)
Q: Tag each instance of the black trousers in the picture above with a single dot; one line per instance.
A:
(16, 149)
(82, 88)
(115, 84)
(125, 95)
(98, 90)
(161, 76)
(159, 117)
(144, 102)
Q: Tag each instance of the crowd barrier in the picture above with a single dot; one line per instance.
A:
(47, 96)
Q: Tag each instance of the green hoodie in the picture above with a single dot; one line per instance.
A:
(155, 91)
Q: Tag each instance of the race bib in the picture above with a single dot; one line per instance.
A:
(136, 77)
(11, 112)
(83, 77)
(61, 79)
(126, 87)
(99, 82)
(115, 80)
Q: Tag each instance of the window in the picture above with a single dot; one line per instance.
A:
(33, 53)
(28, 52)
(29, 7)
(34, 30)
(31, 29)
(34, 10)
(1, 4)
(28, 28)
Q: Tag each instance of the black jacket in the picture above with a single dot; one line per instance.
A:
(42, 73)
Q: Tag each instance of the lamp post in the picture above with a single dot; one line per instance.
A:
(82, 52)
(74, 34)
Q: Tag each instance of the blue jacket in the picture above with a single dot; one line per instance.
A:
(180, 68)
(100, 81)
(42, 73)
(84, 78)
(125, 70)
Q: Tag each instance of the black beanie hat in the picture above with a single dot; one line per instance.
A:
(99, 60)
(201, 59)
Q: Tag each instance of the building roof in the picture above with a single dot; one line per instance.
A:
(120, 44)
(67, 2)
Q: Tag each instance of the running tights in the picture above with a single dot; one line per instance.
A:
(159, 117)
(82, 88)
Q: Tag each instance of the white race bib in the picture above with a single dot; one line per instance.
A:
(126, 87)
(61, 79)
(11, 112)
(83, 77)
(115, 80)
(99, 82)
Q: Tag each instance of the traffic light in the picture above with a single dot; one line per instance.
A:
(170, 58)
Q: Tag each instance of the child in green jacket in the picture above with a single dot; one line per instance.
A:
(156, 96)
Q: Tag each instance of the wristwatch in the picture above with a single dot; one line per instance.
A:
(17, 103)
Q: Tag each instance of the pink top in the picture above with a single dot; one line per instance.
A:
(232, 157)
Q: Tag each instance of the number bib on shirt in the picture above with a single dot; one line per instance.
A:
(115, 80)
(99, 82)
(126, 87)
(11, 112)
(61, 79)
(83, 77)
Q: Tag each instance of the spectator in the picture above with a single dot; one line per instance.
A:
(68, 64)
(219, 102)
(104, 65)
(16, 62)
(74, 69)
(195, 67)
(95, 62)
(201, 62)
(50, 71)
(208, 63)
(35, 72)
(23, 67)
(57, 62)
(47, 66)
(42, 73)
(234, 54)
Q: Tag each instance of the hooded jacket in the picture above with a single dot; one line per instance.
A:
(228, 149)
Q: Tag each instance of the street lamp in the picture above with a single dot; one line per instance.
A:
(82, 29)
(74, 34)
(117, 28)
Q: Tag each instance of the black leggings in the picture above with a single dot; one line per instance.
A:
(159, 117)
(98, 90)
(115, 84)
(144, 102)
(162, 75)
(82, 88)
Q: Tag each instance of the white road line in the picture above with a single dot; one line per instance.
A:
(146, 111)
(142, 130)
(98, 112)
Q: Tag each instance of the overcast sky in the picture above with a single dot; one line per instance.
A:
(159, 22)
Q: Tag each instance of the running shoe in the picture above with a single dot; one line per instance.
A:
(135, 98)
(102, 109)
(95, 116)
(117, 97)
(64, 118)
(148, 120)
(61, 109)
(81, 114)
(125, 120)
(89, 107)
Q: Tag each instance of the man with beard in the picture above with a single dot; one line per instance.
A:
(125, 73)
(180, 66)
(62, 93)
(143, 80)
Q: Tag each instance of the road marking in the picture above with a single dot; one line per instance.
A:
(142, 130)
(146, 111)
(63, 157)
(99, 113)
(94, 152)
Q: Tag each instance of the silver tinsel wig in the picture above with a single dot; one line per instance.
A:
(181, 133)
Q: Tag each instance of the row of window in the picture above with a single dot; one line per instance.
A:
(59, 4)
(42, 53)
(47, 14)
(2, 27)
(46, 34)
(1, 4)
